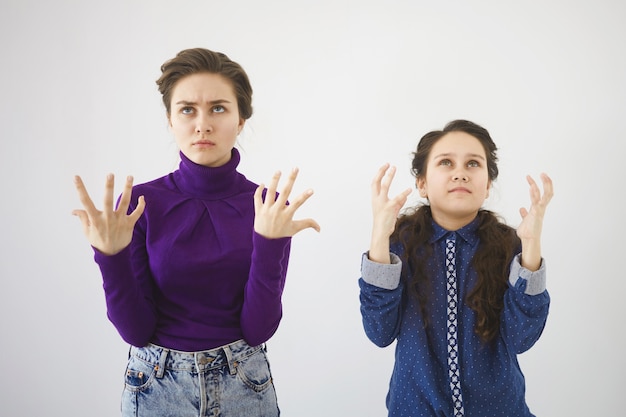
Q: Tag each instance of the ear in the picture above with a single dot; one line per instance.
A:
(420, 184)
(488, 188)
(169, 119)
(242, 123)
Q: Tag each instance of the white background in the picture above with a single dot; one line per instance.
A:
(340, 87)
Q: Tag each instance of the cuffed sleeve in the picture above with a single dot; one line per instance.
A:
(526, 306)
(531, 283)
(380, 296)
(385, 276)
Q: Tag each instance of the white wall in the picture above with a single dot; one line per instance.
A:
(341, 86)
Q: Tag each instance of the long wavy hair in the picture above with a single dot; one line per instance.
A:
(498, 242)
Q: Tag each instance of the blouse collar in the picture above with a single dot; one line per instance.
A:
(469, 232)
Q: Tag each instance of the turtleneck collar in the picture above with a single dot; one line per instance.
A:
(207, 182)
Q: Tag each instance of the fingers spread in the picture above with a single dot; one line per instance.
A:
(108, 194)
(284, 195)
(523, 212)
(136, 214)
(83, 195)
(258, 197)
(305, 224)
(125, 199)
(274, 215)
(378, 178)
(535, 193)
(82, 216)
(386, 182)
(401, 198)
(270, 196)
(548, 187)
(294, 205)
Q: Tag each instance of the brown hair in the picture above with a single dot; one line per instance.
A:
(498, 242)
(198, 60)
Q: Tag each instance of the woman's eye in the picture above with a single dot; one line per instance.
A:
(186, 110)
(219, 109)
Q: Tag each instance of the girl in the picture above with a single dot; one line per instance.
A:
(461, 293)
(194, 263)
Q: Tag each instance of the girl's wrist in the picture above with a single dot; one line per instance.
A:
(531, 254)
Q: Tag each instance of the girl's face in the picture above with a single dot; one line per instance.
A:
(457, 181)
(205, 118)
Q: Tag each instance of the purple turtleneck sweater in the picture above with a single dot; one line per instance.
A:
(196, 276)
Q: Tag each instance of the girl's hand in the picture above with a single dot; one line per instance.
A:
(273, 216)
(109, 231)
(529, 230)
(385, 212)
(532, 218)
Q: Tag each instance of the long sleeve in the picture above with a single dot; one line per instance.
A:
(129, 293)
(262, 306)
(526, 305)
(381, 299)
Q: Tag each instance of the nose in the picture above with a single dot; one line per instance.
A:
(203, 124)
(460, 176)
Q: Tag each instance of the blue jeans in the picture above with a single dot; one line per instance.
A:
(229, 381)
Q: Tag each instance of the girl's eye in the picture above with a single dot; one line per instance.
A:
(219, 109)
(473, 164)
(445, 162)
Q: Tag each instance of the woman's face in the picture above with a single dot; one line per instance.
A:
(204, 118)
(457, 181)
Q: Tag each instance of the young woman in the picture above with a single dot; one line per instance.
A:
(460, 292)
(194, 263)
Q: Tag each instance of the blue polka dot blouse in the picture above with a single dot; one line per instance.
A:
(491, 381)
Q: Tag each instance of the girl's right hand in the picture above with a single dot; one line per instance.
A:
(385, 212)
(111, 230)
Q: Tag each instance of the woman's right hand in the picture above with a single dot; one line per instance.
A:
(385, 212)
(109, 230)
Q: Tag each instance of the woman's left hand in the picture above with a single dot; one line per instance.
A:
(273, 216)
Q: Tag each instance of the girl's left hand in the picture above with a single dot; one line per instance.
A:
(532, 218)
(273, 216)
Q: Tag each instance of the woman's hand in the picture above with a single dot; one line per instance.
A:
(385, 212)
(273, 216)
(529, 230)
(110, 230)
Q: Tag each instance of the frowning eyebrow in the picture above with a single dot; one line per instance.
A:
(194, 103)
(470, 155)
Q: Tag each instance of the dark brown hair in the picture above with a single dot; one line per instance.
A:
(498, 242)
(198, 60)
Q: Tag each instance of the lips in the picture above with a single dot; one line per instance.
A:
(460, 190)
(203, 143)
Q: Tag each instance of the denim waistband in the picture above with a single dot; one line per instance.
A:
(201, 361)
